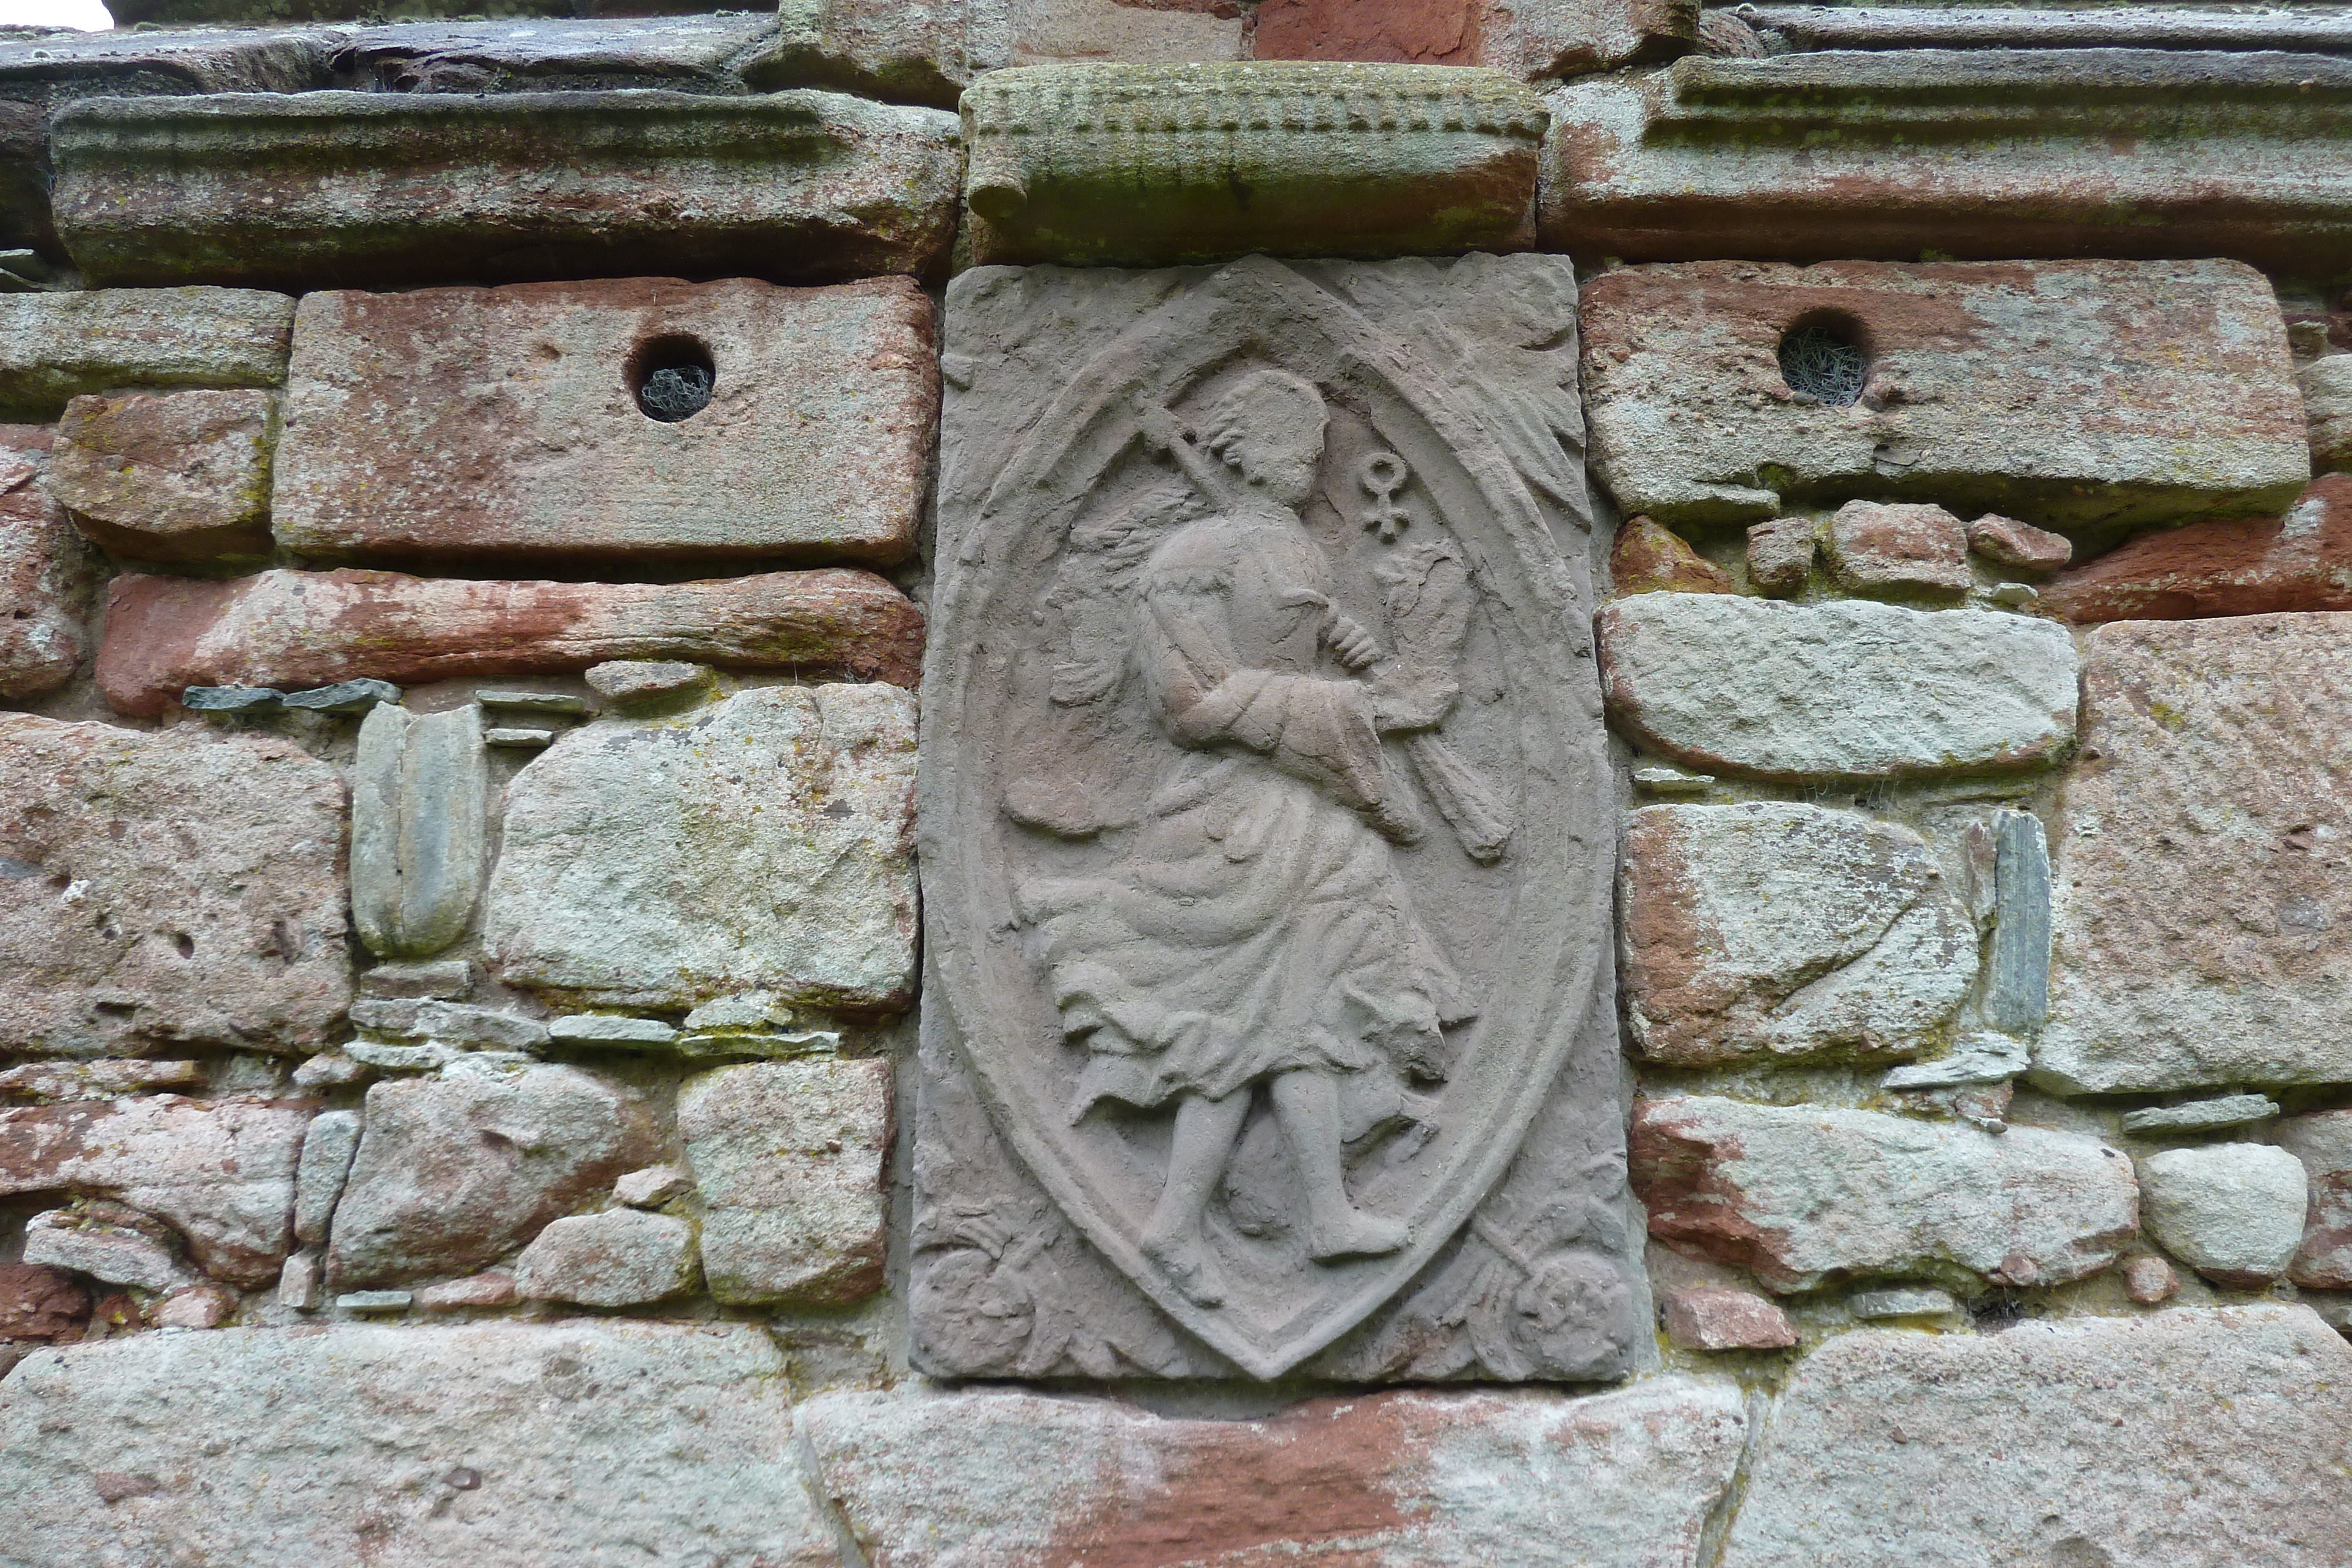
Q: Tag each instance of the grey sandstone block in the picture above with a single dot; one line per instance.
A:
(448, 1446)
(2080, 395)
(1772, 930)
(2196, 1438)
(993, 1478)
(621, 1258)
(1845, 689)
(814, 443)
(1806, 1194)
(420, 828)
(329, 188)
(56, 347)
(2202, 907)
(763, 842)
(2234, 1212)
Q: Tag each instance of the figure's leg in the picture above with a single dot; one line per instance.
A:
(1201, 1142)
(1307, 1106)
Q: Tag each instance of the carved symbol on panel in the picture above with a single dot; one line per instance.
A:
(1264, 1031)
(1383, 475)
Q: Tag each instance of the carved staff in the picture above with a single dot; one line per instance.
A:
(1463, 797)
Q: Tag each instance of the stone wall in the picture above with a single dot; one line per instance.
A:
(1406, 784)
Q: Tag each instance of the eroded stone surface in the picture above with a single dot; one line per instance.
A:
(172, 477)
(176, 887)
(1994, 152)
(1155, 860)
(441, 1446)
(2020, 547)
(2234, 1212)
(1890, 548)
(760, 843)
(1994, 385)
(1652, 558)
(692, 54)
(1778, 930)
(2324, 1143)
(995, 1479)
(2253, 566)
(1846, 689)
(56, 347)
(621, 1258)
(103, 1079)
(2327, 400)
(1068, 166)
(815, 443)
(48, 577)
(290, 629)
(303, 189)
(2202, 909)
(221, 1172)
(1810, 1194)
(2205, 1438)
(1698, 1317)
(789, 1157)
(38, 1303)
(1780, 555)
(454, 1173)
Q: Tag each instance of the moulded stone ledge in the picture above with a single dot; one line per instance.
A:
(322, 189)
(289, 629)
(1131, 164)
(1815, 27)
(1995, 152)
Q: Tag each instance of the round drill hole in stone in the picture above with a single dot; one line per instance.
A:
(1822, 360)
(673, 379)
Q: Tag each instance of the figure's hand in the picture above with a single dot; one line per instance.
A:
(1352, 645)
(1403, 699)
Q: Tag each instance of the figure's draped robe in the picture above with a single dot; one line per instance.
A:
(1253, 923)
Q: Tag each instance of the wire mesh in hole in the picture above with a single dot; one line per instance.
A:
(677, 392)
(1823, 362)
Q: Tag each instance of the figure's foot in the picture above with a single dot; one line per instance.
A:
(1358, 1235)
(1186, 1260)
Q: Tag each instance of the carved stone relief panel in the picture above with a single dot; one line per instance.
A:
(1267, 835)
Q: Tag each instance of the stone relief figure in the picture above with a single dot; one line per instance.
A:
(1254, 935)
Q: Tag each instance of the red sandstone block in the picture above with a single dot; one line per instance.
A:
(302, 629)
(2253, 566)
(486, 423)
(1650, 558)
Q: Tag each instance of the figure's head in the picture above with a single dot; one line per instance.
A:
(1269, 424)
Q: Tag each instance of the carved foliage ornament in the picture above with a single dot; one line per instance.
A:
(1267, 834)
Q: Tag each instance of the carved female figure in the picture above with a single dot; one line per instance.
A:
(1252, 929)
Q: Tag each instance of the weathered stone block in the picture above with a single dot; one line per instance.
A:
(550, 53)
(1846, 689)
(789, 1157)
(990, 1479)
(1784, 930)
(454, 1173)
(1780, 555)
(1128, 165)
(1992, 153)
(38, 1303)
(2327, 403)
(179, 476)
(420, 828)
(328, 1146)
(621, 1258)
(220, 1171)
(2202, 904)
(1891, 549)
(1532, 38)
(2252, 566)
(526, 1444)
(1702, 1318)
(54, 67)
(2234, 1212)
(1652, 558)
(55, 348)
(509, 423)
(400, 189)
(2202, 1438)
(2020, 546)
(1827, 27)
(104, 1080)
(2324, 1143)
(289, 629)
(2080, 395)
(48, 577)
(1811, 1194)
(171, 888)
(760, 843)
